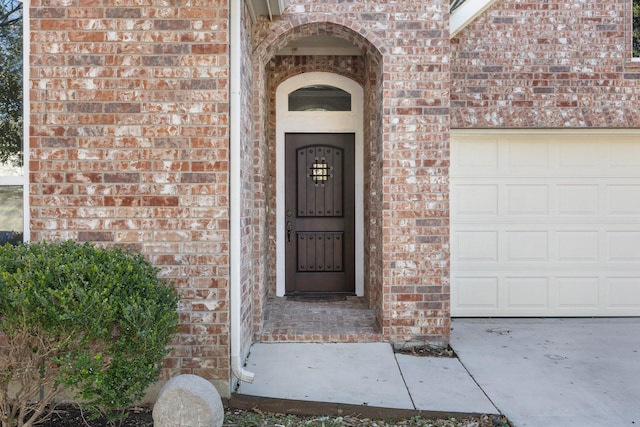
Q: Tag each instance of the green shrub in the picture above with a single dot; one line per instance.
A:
(94, 321)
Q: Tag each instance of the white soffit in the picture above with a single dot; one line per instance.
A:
(320, 45)
(466, 13)
(268, 8)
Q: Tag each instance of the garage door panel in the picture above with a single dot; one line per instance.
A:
(578, 246)
(624, 292)
(624, 246)
(552, 230)
(623, 199)
(476, 200)
(529, 246)
(523, 155)
(576, 154)
(527, 199)
(523, 293)
(578, 292)
(476, 156)
(578, 199)
(476, 246)
(476, 292)
(527, 292)
(623, 154)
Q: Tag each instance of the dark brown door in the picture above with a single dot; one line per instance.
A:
(320, 213)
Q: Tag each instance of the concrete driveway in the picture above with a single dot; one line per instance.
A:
(555, 372)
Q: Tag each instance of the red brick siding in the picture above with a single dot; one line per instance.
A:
(284, 67)
(129, 146)
(373, 88)
(253, 206)
(558, 63)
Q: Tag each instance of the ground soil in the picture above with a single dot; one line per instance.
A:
(73, 416)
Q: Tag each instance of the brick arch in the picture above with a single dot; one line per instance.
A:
(282, 68)
(281, 35)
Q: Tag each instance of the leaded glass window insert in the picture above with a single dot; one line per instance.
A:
(319, 98)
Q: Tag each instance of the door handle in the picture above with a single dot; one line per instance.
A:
(289, 230)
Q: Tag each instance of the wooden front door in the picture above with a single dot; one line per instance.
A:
(320, 213)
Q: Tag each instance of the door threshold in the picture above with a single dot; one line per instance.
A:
(317, 297)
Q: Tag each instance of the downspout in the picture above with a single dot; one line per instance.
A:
(235, 187)
(26, 116)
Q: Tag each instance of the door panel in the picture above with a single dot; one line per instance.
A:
(320, 213)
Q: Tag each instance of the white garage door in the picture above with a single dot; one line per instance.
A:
(545, 224)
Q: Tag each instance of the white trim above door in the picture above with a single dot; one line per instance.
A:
(316, 122)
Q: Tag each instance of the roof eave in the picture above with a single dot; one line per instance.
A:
(268, 8)
(466, 13)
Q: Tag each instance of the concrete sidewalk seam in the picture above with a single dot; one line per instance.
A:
(479, 386)
(403, 379)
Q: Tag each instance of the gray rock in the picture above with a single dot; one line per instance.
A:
(188, 401)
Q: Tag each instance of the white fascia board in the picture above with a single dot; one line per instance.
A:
(466, 13)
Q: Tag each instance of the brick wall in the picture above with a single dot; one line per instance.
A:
(406, 200)
(253, 200)
(558, 63)
(129, 147)
(373, 157)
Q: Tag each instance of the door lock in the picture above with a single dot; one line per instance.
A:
(289, 230)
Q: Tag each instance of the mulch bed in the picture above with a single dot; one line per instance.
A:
(73, 416)
(259, 411)
(427, 350)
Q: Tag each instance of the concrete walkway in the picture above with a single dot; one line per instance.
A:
(541, 372)
(362, 374)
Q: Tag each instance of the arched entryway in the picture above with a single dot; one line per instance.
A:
(340, 58)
